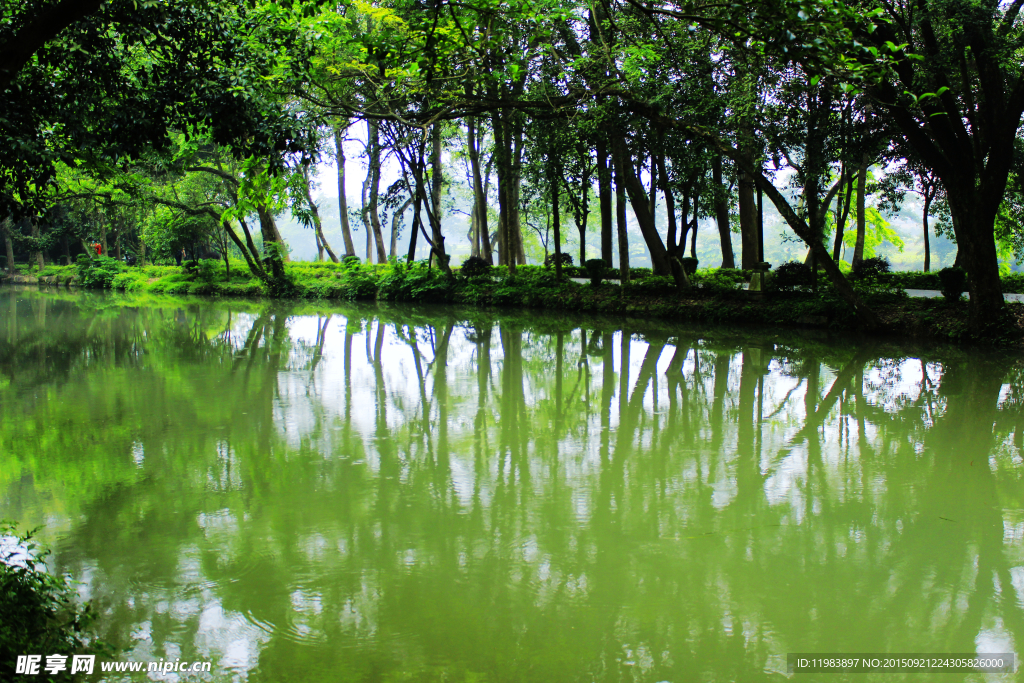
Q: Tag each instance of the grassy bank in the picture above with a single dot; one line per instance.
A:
(714, 296)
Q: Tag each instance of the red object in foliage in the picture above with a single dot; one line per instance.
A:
(98, 247)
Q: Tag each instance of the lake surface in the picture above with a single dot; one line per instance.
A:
(306, 492)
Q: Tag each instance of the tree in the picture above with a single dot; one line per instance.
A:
(955, 91)
(128, 73)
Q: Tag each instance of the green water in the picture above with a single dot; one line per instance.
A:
(303, 492)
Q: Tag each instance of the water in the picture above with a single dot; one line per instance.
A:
(303, 492)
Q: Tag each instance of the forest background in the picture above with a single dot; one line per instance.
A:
(794, 129)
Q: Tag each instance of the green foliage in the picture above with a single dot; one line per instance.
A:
(38, 613)
(97, 272)
(721, 282)
(791, 275)
(655, 285)
(550, 260)
(112, 85)
(954, 283)
(736, 275)
(1013, 282)
(400, 282)
(913, 280)
(129, 281)
(877, 231)
(870, 267)
(206, 269)
(474, 266)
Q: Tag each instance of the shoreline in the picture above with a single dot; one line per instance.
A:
(714, 301)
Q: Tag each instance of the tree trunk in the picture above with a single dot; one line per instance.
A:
(9, 244)
(841, 220)
(760, 225)
(317, 223)
(437, 182)
(416, 222)
(862, 181)
(515, 228)
(748, 222)
(976, 215)
(924, 221)
(722, 213)
(364, 193)
(373, 208)
(604, 196)
(503, 164)
(395, 218)
(254, 265)
(479, 196)
(620, 216)
(486, 249)
(641, 205)
(555, 182)
(346, 230)
(273, 248)
(38, 253)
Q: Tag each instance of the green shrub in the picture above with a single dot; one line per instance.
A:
(655, 285)
(253, 287)
(97, 272)
(38, 613)
(791, 275)
(954, 283)
(717, 284)
(870, 267)
(1013, 282)
(129, 281)
(360, 282)
(549, 261)
(689, 265)
(475, 266)
(734, 274)
(913, 280)
(596, 269)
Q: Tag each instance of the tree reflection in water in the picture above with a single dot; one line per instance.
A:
(509, 496)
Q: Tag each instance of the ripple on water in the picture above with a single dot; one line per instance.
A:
(289, 629)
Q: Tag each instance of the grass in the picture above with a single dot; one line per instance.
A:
(713, 298)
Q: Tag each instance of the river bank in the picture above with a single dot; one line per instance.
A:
(715, 296)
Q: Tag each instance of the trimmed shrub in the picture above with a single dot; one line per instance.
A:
(870, 267)
(475, 266)
(791, 275)
(595, 268)
(734, 274)
(549, 261)
(689, 265)
(954, 283)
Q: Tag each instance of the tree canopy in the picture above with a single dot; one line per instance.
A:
(666, 113)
